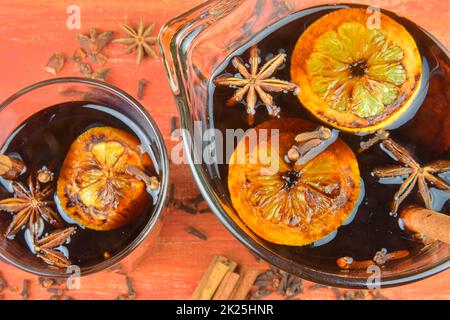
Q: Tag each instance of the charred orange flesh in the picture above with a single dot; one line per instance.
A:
(287, 203)
(353, 75)
(93, 186)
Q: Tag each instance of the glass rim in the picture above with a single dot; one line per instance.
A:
(309, 273)
(159, 206)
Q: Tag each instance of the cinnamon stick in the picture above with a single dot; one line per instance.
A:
(11, 168)
(226, 287)
(247, 278)
(211, 280)
(428, 223)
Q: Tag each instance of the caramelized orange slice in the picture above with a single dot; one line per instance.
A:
(292, 204)
(353, 76)
(93, 186)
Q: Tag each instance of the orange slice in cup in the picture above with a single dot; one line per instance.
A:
(93, 186)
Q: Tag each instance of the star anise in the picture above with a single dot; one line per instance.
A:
(94, 42)
(29, 204)
(256, 83)
(47, 248)
(416, 174)
(139, 40)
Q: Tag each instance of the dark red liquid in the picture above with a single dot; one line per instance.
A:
(426, 134)
(44, 140)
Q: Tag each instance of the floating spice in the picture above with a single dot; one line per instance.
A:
(44, 175)
(11, 168)
(256, 83)
(139, 40)
(380, 258)
(307, 141)
(151, 182)
(29, 204)
(379, 136)
(55, 63)
(416, 175)
(427, 224)
(46, 248)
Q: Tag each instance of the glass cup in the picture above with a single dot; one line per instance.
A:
(194, 45)
(28, 101)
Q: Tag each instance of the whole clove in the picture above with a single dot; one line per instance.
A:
(173, 126)
(141, 87)
(192, 230)
(131, 293)
(287, 285)
(25, 294)
(337, 293)
(186, 208)
(44, 175)
(171, 193)
(3, 283)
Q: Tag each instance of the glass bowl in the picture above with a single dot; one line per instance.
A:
(194, 45)
(23, 104)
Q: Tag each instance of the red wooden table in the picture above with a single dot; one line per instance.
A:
(32, 30)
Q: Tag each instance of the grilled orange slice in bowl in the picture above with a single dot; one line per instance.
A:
(287, 203)
(355, 75)
(94, 188)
